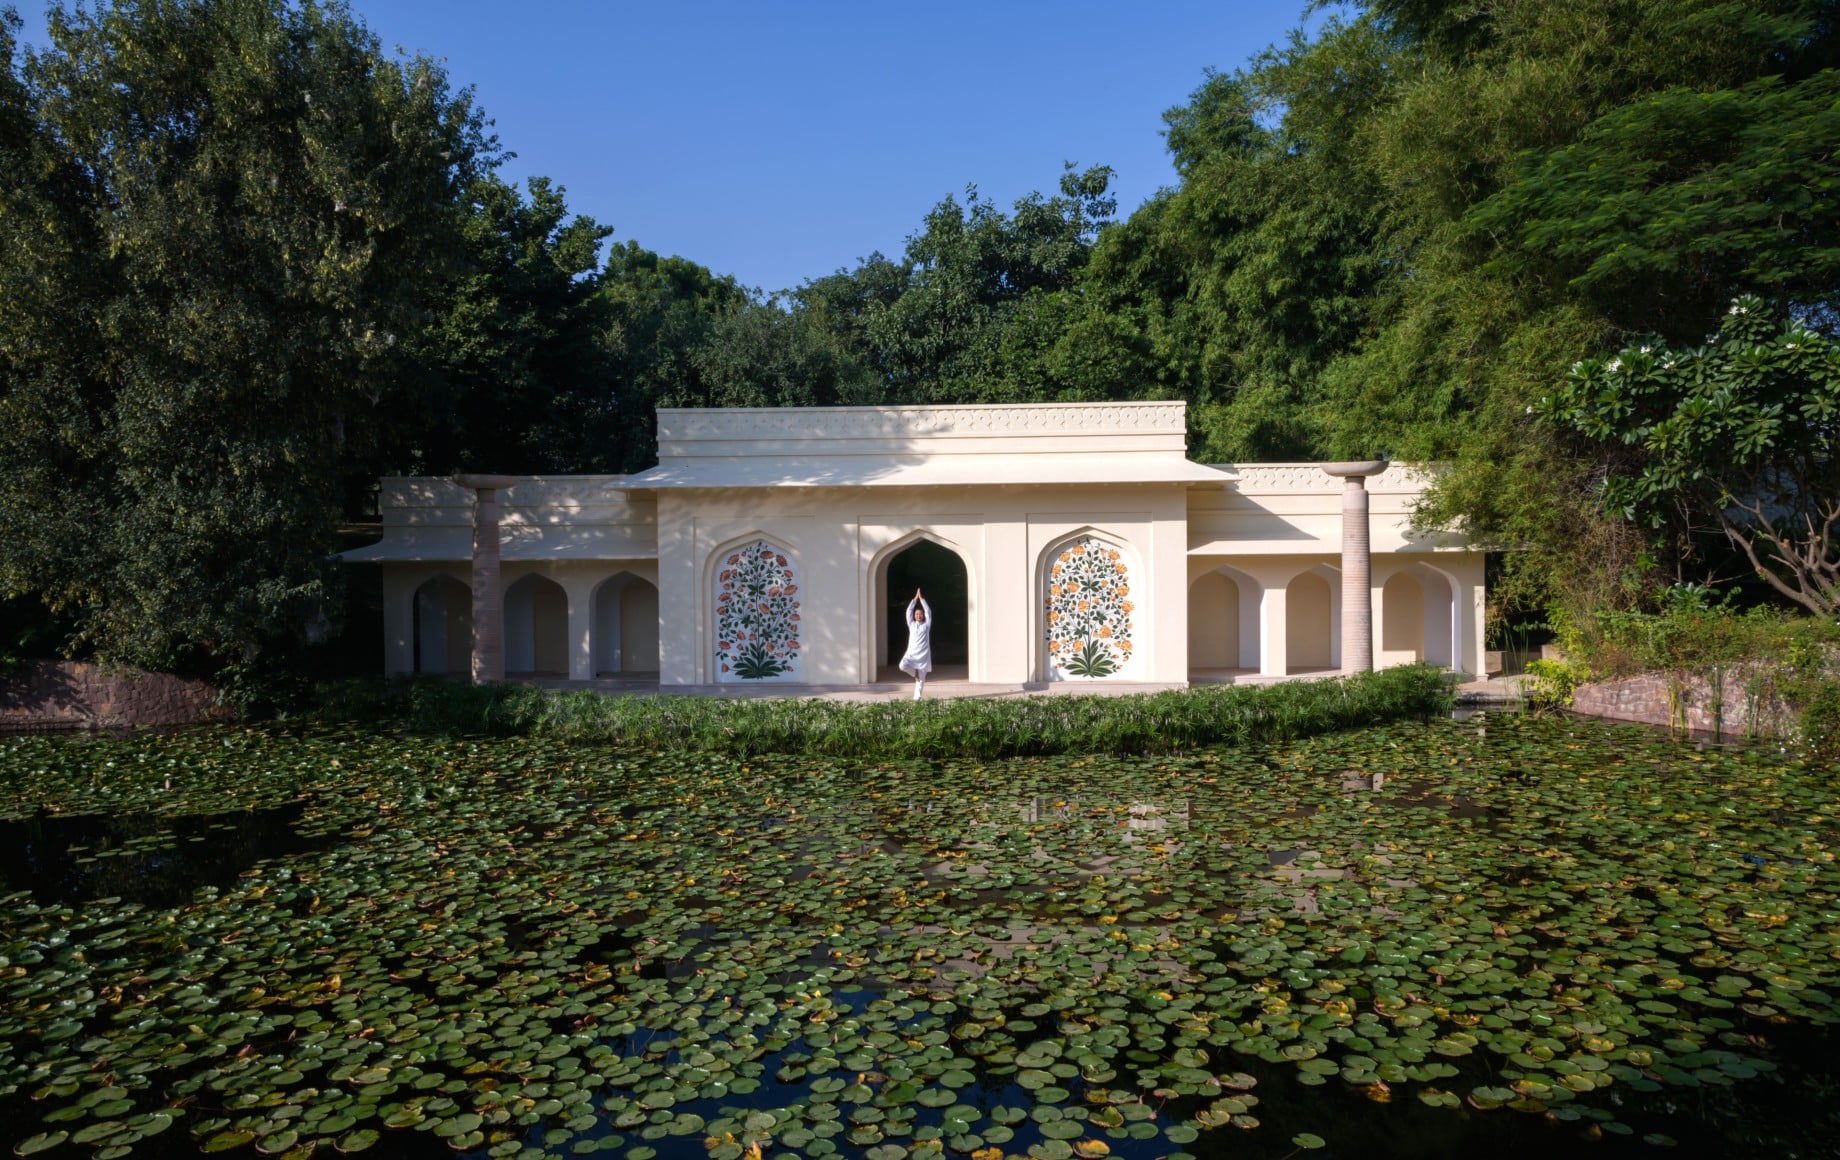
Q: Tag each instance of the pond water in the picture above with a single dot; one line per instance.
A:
(1510, 935)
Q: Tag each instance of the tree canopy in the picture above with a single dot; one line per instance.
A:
(221, 224)
(249, 262)
(1742, 429)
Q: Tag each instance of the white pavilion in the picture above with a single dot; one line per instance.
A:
(1059, 542)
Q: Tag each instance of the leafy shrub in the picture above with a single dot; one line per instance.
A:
(1819, 726)
(1554, 682)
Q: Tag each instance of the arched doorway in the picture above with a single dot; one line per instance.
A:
(626, 626)
(537, 627)
(443, 627)
(1309, 624)
(1213, 623)
(941, 574)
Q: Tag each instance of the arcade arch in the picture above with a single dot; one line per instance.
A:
(1223, 621)
(537, 627)
(443, 628)
(1312, 621)
(625, 626)
(1417, 618)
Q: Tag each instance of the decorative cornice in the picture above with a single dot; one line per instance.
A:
(843, 423)
(1310, 478)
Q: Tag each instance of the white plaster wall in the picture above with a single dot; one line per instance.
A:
(842, 537)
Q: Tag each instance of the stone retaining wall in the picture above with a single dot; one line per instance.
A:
(70, 694)
(1687, 701)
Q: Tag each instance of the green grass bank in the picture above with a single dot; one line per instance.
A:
(1148, 723)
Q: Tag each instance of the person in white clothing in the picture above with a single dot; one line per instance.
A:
(918, 660)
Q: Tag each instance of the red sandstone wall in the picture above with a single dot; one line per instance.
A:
(50, 694)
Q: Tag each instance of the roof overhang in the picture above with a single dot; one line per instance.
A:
(438, 544)
(1019, 470)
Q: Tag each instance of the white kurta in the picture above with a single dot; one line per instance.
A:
(919, 656)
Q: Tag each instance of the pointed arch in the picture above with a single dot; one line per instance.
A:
(956, 622)
(1224, 630)
(1313, 620)
(442, 633)
(1419, 616)
(536, 626)
(1089, 613)
(624, 629)
(755, 619)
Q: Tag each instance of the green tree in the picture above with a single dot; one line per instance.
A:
(1396, 234)
(219, 221)
(657, 311)
(937, 326)
(1244, 282)
(518, 351)
(1746, 430)
(1668, 203)
(760, 354)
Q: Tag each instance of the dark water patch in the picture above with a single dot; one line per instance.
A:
(151, 859)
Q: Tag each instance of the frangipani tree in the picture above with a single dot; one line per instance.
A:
(1744, 429)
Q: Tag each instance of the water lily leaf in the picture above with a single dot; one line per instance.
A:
(44, 1141)
(226, 1140)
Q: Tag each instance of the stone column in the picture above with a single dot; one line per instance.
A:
(488, 601)
(1357, 565)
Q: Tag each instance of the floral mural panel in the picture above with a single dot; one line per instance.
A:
(757, 614)
(1089, 610)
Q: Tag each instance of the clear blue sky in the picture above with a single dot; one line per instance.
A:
(782, 139)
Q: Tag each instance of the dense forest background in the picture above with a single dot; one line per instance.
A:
(249, 262)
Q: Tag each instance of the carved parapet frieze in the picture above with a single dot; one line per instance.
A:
(829, 423)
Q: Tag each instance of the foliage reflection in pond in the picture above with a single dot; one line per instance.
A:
(523, 946)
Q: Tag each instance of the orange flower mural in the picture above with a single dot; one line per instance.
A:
(757, 615)
(1091, 633)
